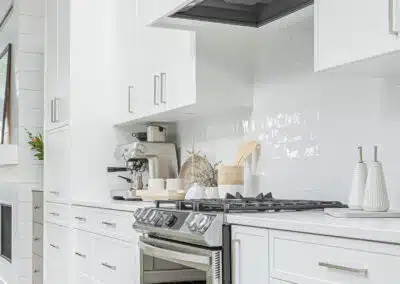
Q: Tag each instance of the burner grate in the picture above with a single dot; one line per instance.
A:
(240, 204)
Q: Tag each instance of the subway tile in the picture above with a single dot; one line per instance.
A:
(32, 7)
(27, 61)
(30, 80)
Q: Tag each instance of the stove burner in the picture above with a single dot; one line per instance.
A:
(238, 203)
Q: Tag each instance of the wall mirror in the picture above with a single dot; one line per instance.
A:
(5, 95)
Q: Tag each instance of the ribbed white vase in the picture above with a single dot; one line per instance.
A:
(376, 197)
(356, 196)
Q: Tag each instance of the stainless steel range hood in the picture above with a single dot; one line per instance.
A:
(252, 13)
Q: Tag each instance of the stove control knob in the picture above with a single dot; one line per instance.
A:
(170, 220)
(137, 213)
(192, 222)
(155, 218)
(145, 215)
(151, 216)
(204, 223)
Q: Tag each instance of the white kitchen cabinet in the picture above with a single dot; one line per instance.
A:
(311, 259)
(250, 255)
(348, 31)
(154, 10)
(57, 250)
(83, 255)
(57, 165)
(191, 73)
(57, 63)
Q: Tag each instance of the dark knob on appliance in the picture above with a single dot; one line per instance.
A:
(170, 221)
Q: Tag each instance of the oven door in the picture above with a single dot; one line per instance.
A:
(163, 261)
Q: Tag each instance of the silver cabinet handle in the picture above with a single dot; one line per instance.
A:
(80, 254)
(83, 219)
(56, 117)
(36, 207)
(156, 90)
(36, 239)
(362, 271)
(393, 25)
(54, 192)
(52, 111)
(130, 87)
(109, 224)
(54, 214)
(36, 271)
(163, 96)
(55, 246)
(112, 267)
(236, 248)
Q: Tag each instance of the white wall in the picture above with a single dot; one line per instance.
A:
(308, 124)
(25, 30)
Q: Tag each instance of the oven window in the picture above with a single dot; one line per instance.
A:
(6, 231)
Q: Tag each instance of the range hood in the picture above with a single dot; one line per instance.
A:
(251, 13)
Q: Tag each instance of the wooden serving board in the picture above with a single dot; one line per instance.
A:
(161, 195)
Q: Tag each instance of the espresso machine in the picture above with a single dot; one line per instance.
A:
(140, 161)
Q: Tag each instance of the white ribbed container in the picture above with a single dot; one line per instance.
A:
(376, 197)
(356, 196)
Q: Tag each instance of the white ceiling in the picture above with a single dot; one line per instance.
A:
(4, 5)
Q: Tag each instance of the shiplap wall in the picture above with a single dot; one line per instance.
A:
(25, 30)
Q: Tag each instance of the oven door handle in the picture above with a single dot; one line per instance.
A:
(174, 256)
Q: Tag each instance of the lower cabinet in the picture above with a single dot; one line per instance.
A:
(250, 255)
(56, 254)
(97, 255)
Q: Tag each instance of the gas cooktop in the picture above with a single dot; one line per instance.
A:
(201, 221)
(238, 203)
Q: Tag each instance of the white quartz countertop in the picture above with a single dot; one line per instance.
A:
(317, 222)
(115, 205)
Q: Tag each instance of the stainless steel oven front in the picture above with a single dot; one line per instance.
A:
(165, 261)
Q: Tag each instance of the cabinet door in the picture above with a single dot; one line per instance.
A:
(82, 255)
(250, 255)
(114, 261)
(178, 80)
(348, 31)
(50, 60)
(57, 253)
(57, 165)
(61, 99)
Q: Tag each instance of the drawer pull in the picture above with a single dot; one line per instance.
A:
(54, 192)
(54, 214)
(109, 224)
(362, 271)
(109, 266)
(36, 271)
(36, 207)
(80, 254)
(83, 219)
(236, 268)
(36, 239)
(55, 246)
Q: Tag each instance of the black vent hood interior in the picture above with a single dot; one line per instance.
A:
(252, 13)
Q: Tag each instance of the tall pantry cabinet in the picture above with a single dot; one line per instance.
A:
(79, 135)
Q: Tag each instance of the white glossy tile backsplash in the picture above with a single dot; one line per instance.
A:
(308, 124)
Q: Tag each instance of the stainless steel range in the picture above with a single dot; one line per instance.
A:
(193, 234)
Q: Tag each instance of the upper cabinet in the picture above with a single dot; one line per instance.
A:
(57, 64)
(349, 31)
(177, 73)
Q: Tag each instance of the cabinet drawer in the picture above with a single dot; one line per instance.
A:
(37, 269)
(82, 252)
(37, 242)
(114, 224)
(114, 261)
(311, 259)
(57, 213)
(37, 206)
(83, 218)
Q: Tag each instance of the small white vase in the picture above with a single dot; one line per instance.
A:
(376, 197)
(356, 196)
